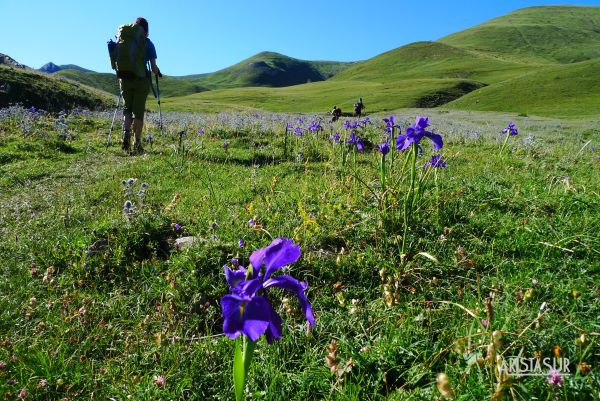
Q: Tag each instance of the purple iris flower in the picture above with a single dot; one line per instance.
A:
(366, 121)
(384, 148)
(414, 134)
(241, 243)
(298, 131)
(350, 125)
(315, 126)
(200, 131)
(511, 129)
(354, 140)
(246, 310)
(334, 137)
(390, 124)
(437, 161)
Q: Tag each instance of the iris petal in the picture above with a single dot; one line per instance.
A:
(436, 139)
(244, 315)
(279, 253)
(250, 287)
(422, 122)
(291, 284)
(257, 317)
(234, 277)
(256, 259)
(400, 142)
(274, 330)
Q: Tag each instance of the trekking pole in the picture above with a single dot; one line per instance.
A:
(113, 120)
(158, 97)
(156, 94)
(112, 49)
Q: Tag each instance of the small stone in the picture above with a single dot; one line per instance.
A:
(185, 243)
(97, 247)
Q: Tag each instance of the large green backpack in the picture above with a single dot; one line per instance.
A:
(129, 52)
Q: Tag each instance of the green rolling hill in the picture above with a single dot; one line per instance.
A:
(47, 92)
(562, 90)
(169, 86)
(432, 60)
(103, 81)
(322, 96)
(266, 69)
(271, 69)
(549, 34)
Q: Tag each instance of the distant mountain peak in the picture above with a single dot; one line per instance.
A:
(7, 60)
(50, 68)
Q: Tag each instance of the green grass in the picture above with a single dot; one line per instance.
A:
(519, 228)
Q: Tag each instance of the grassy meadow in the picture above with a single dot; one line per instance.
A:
(495, 256)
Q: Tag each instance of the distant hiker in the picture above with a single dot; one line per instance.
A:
(359, 107)
(133, 51)
(336, 113)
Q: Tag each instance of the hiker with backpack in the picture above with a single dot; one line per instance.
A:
(129, 56)
(336, 113)
(358, 107)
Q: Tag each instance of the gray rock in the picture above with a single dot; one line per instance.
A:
(185, 243)
(97, 247)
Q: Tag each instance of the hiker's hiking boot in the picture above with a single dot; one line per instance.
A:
(126, 144)
(137, 149)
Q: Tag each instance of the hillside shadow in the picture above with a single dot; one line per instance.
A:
(446, 95)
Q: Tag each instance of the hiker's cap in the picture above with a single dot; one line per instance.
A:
(143, 22)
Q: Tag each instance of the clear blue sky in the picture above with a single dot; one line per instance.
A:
(201, 36)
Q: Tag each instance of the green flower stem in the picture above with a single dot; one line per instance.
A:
(354, 184)
(392, 150)
(382, 172)
(242, 357)
(504, 144)
(400, 174)
(437, 195)
(285, 143)
(244, 350)
(409, 194)
(343, 146)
